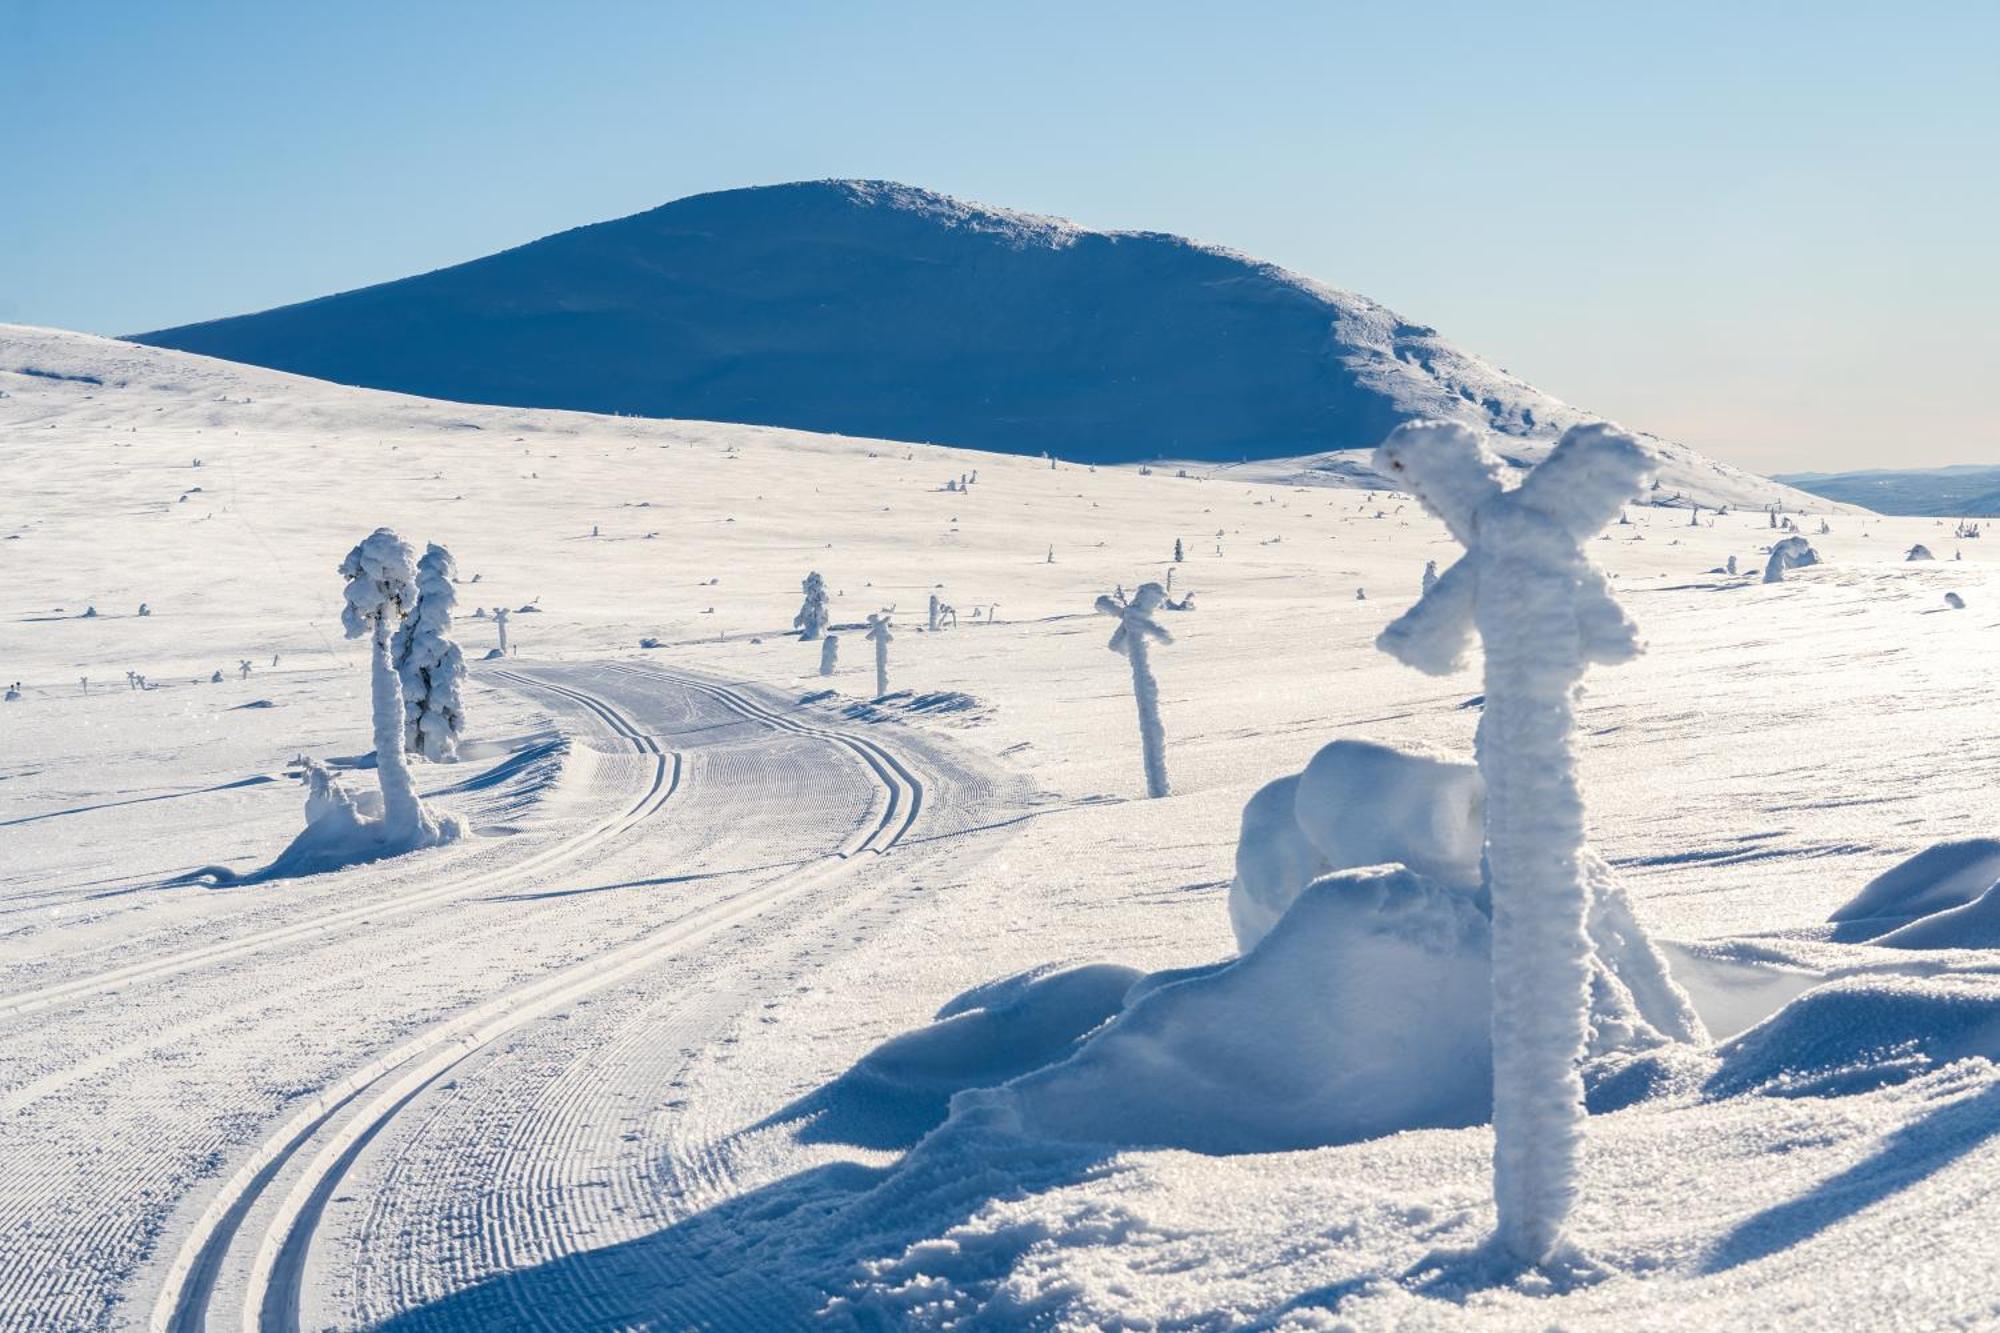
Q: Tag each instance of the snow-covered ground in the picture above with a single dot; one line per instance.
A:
(607, 1063)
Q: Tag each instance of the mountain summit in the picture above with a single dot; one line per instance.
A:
(871, 308)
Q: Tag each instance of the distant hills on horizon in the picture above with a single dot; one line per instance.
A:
(876, 309)
(1966, 490)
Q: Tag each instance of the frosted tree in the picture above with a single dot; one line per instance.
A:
(1430, 574)
(429, 663)
(1791, 553)
(1135, 627)
(829, 654)
(381, 588)
(811, 619)
(879, 635)
(1544, 613)
(1180, 552)
(936, 606)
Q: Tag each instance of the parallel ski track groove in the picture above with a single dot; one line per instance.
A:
(390, 1082)
(665, 781)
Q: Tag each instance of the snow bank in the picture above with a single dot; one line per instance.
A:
(1973, 925)
(1861, 1033)
(1947, 875)
(1365, 1011)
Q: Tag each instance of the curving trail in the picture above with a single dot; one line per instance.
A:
(220, 1157)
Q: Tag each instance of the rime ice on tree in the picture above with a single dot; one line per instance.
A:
(829, 654)
(1135, 626)
(429, 663)
(879, 635)
(1544, 613)
(381, 589)
(811, 619)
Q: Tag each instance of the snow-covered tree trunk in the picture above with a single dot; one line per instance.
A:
(401, 810)
(829, 654)
(878, 631)
(1135, 627)
(381, 587)
(1544, 614)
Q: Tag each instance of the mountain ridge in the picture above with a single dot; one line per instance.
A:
(878, 309)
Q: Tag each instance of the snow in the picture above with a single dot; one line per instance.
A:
(653, 969)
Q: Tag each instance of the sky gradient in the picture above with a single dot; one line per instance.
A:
(1764, 230)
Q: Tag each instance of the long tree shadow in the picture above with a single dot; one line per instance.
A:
(1917, 1150)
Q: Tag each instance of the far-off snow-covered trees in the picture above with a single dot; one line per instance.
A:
(811, 619)
(879, 635)
(1135, 626)
(429, 665)
(381, 589)
(1544, 613)
(1791, 553)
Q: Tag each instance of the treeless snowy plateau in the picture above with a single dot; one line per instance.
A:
(671, 1040)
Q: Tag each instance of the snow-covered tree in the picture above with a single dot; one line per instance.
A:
(935, 607)
(1180, 552)
(1430, 574)
(429, 663)
(811, 619)
(1919, 552)
(829, 654)
(500, 614)
(879, 635)
(1791, 553)
(1135, 626)
(1544, 613)
(381, 588)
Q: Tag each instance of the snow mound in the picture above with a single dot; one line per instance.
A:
(1973, 925)
(1861, 1033)
(344, 827)
(1362, 804)
(1356, 804)
(1364, 1012)
(903, 1088)
(1947, 875)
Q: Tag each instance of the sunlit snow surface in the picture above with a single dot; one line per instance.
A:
(664, 1134)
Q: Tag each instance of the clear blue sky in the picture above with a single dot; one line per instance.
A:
(1768, 230)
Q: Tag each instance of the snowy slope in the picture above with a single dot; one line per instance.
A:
(872, 308)
(630, 1055)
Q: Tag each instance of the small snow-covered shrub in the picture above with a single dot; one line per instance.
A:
(1919, 552)
(1791, 553)
(812, 617)
(829, 654)
(429, 664)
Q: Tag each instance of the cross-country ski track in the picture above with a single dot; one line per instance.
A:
(267, 1083)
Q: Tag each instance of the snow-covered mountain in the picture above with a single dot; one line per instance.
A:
(1968, 490)
(871, 308)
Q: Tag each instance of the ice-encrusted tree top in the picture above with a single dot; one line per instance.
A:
(381, 577)
(1565, 501)
(1135, 617)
